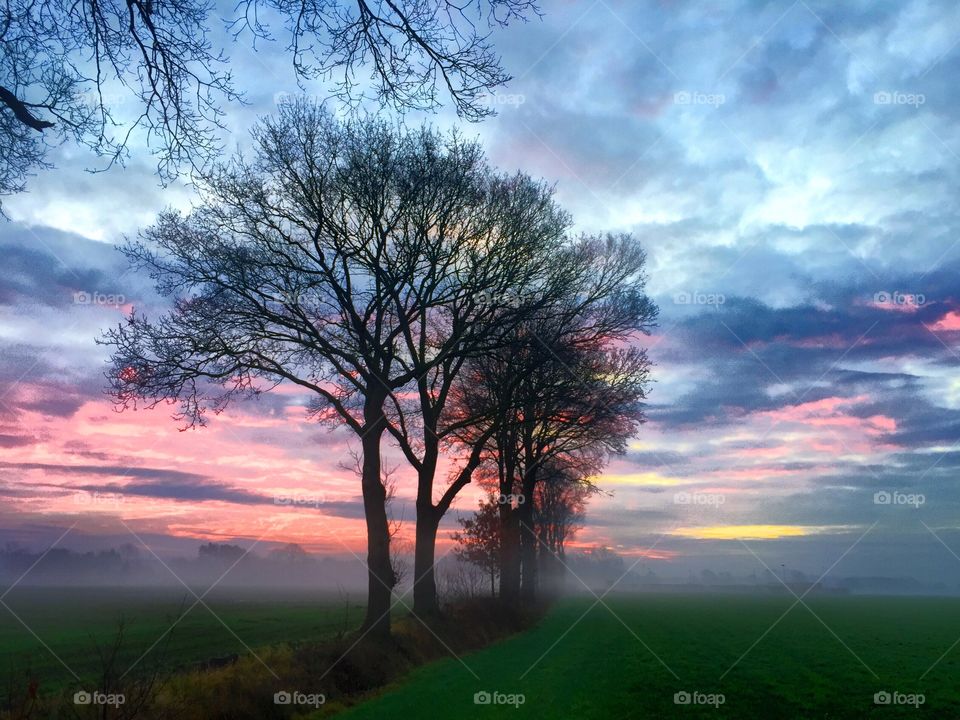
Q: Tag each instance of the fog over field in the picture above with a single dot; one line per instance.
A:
(409, 333)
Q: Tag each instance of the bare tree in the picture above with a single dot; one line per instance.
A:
(559, 503)
(98, 72)
(478, 307)
(310, 264)
(568, 389)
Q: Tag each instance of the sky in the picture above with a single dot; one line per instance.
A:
(792, 172)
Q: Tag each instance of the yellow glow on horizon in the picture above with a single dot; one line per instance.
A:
(645, 479)
(748, 532)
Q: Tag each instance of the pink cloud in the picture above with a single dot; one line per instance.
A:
(950, 322)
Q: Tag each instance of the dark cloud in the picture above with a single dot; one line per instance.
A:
(183, 491)
(12, 441)
(146, 473)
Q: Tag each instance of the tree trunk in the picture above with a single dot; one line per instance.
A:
(528, 552)
(509, 555)
(549, 570)
(425, 601)
(380, 576)
(424, 579)
(528, 535)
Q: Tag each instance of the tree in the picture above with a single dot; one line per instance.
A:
(578, 425)
(559, 502)
(478, 541)
(72, 71)
(290, 554)
(221, 553)
(475, 317)
(569, 388)
(318, 262)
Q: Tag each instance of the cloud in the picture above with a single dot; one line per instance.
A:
(746, 146)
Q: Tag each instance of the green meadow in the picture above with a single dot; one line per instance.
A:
(53, 634)
(630, 658)
(735, 656)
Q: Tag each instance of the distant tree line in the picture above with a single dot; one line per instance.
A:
(283, 566)
(423, 299)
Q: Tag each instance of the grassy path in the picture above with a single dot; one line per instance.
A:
(606, 666)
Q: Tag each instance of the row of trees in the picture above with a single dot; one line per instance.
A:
(558, 512)
(423, 298)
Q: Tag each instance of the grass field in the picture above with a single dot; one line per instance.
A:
(73, 622)
(626, 662)
(605, 668)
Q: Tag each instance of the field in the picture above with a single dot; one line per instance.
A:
(602, 668)
(628, 661)
(74, 622)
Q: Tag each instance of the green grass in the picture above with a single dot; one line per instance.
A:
(602, 668)
(73, 622)
(594, 667)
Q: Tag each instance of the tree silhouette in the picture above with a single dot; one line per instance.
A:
(98, 72)
(318, 262)
(569, 388)
(559, 503)
(478, 540)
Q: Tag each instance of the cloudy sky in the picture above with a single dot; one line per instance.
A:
(792, 170)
